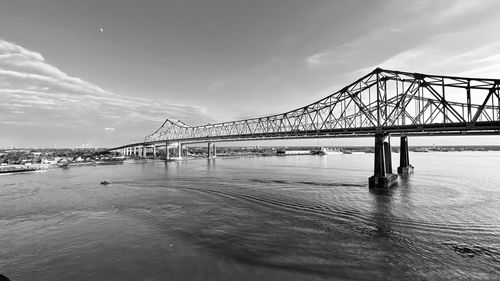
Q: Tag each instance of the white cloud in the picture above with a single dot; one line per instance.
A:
(10, 48)
(18, 62)
(451, 10)
(460, 43)
(48, 96)
(346, 52)
(407, 39)
(336, 55)
(317, 59)
(436, 57)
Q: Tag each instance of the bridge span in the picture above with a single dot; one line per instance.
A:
(380, 104)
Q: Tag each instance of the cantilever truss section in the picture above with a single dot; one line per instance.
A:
(381, 101)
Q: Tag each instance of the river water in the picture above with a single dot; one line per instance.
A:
(267, 218)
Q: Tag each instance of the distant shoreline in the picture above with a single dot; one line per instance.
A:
(13, 169)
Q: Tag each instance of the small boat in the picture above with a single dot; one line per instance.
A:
(63, 164)
(106, 182)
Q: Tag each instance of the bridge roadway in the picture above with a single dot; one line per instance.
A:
(379, 104)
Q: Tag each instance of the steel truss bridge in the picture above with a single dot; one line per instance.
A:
(380, 103)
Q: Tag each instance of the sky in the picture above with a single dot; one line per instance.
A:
(102, 73)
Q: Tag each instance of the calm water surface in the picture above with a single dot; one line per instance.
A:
(275, 218)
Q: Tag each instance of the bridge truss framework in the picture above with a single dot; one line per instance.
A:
(381, 103)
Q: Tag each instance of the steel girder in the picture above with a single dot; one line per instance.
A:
(383, 100)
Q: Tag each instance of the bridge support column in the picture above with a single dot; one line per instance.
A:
(388, 155)
(211, 150)
(179, 150)
(144, 151)
(167, 152)
(383, 176)
(404, 157)
(154, 151)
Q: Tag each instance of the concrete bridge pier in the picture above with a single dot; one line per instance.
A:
(404, 157)
(179, 150)
(388, 154)
(167, 152)
(383, 176)
(154, 151)
(144, 151)
(211, 150)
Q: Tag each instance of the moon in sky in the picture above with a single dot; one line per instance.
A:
(102, 30)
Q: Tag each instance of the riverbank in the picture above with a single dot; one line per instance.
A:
(8, 169)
